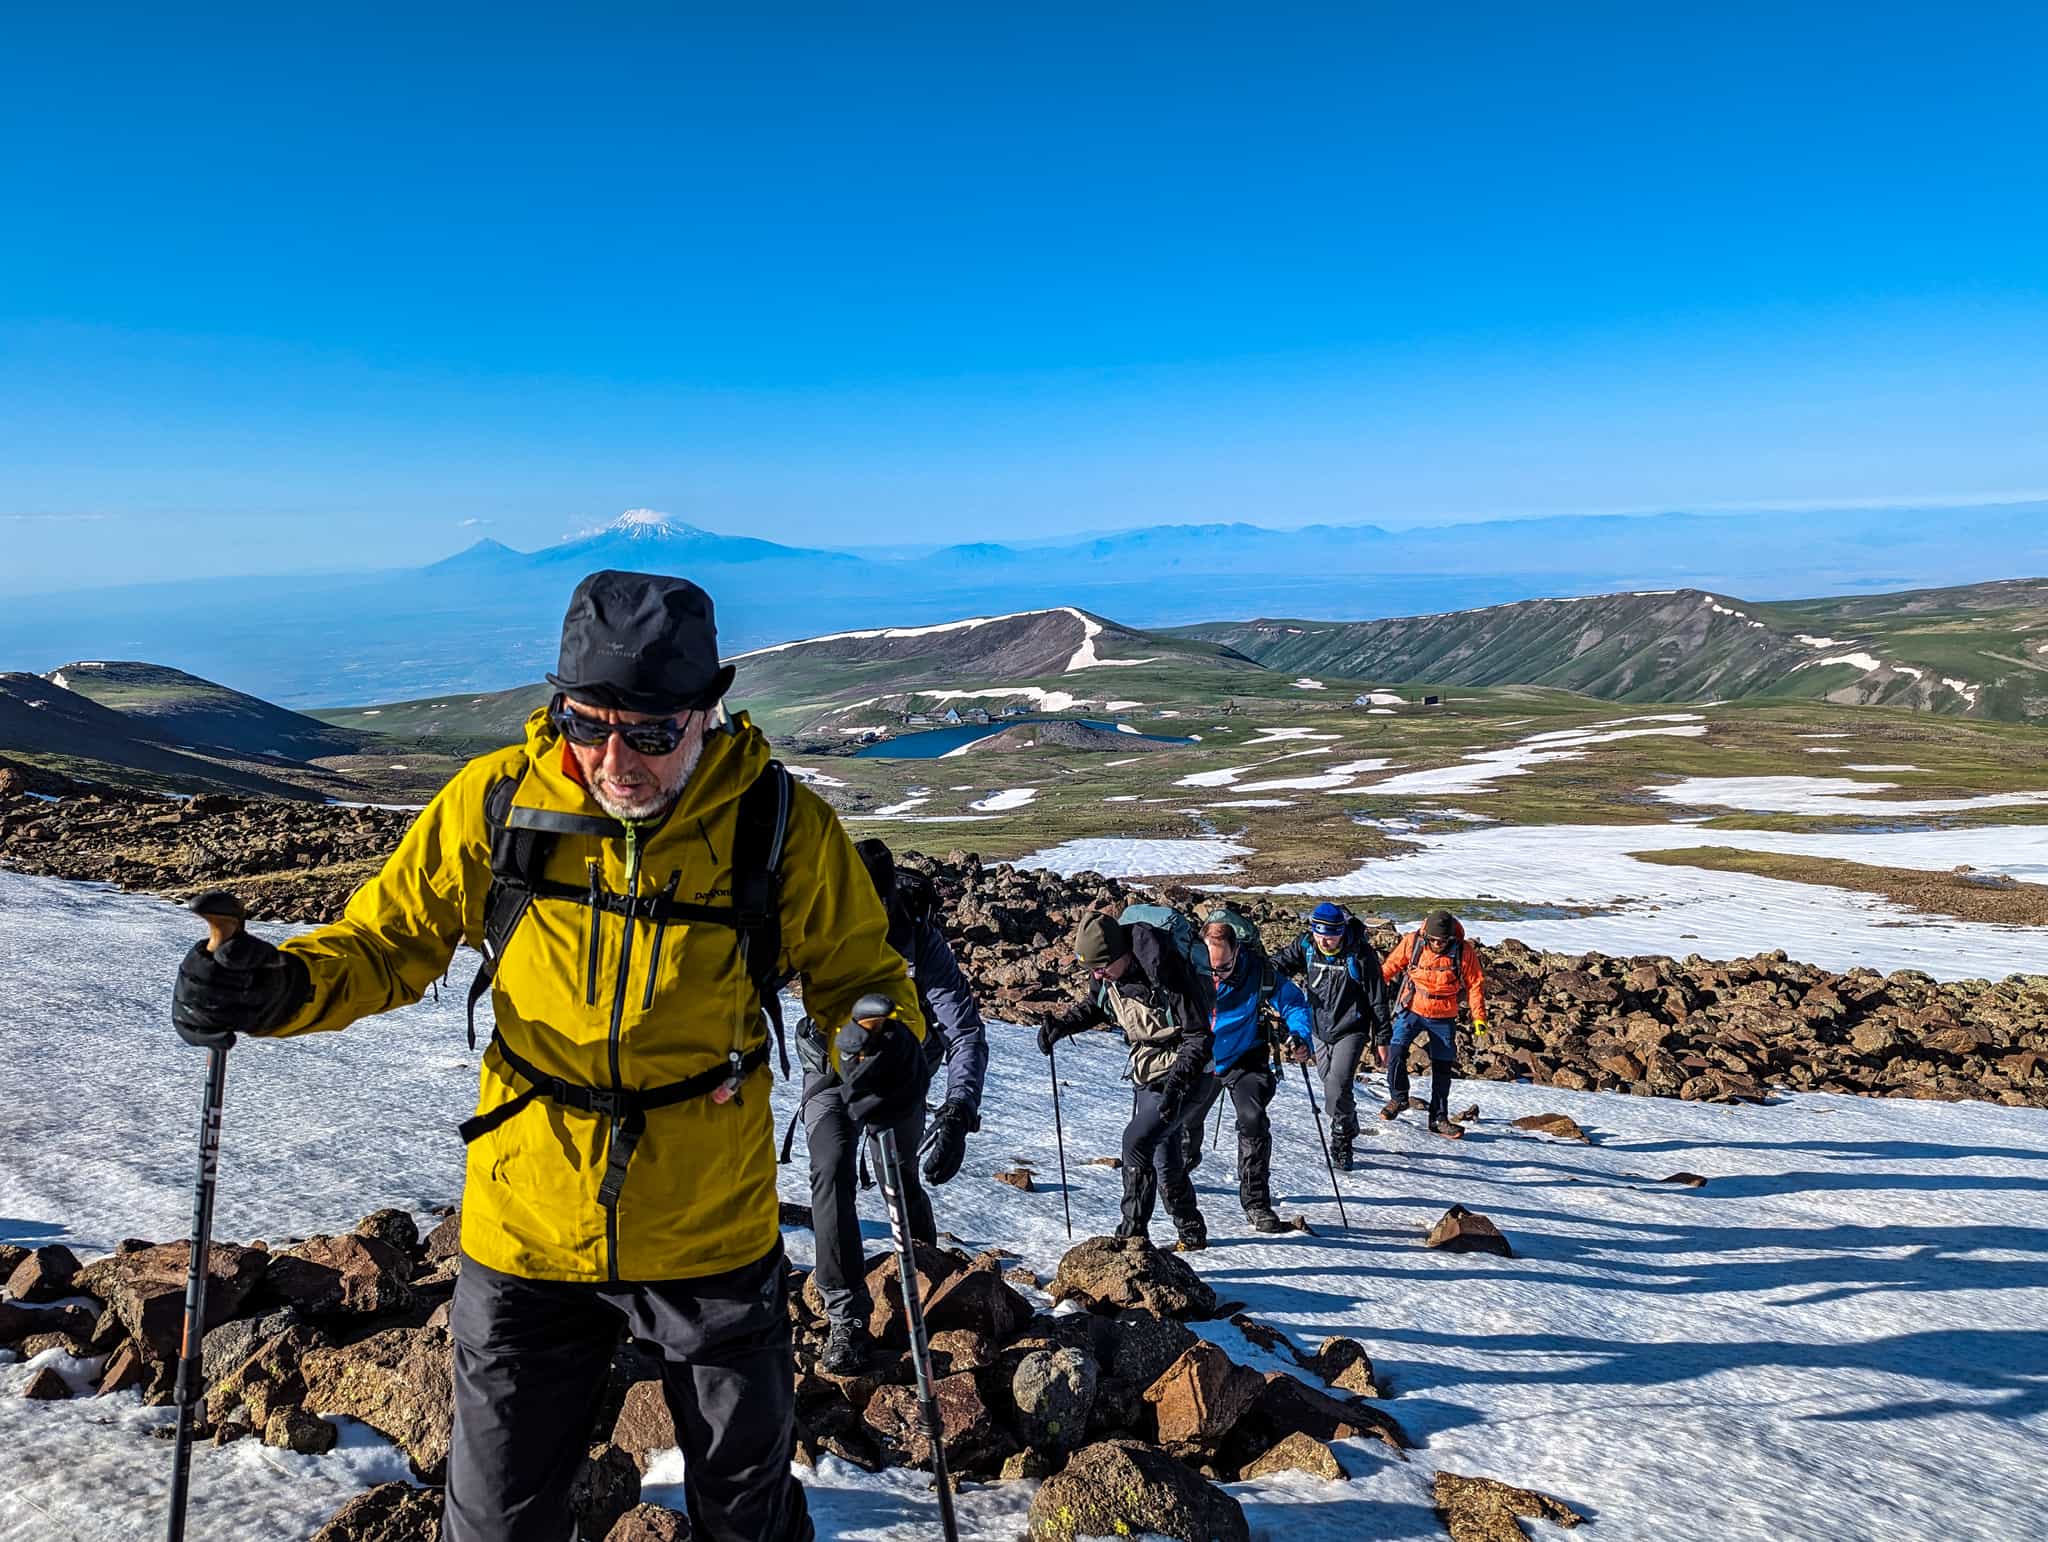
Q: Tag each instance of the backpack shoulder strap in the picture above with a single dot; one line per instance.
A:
(518, 858)
(761, 828)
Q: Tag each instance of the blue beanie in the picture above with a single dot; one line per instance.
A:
(1329, 918)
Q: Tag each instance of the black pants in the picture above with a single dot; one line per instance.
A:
(834, 1146)
(1155, 1161)
(1251, 1089)
(531, 1359)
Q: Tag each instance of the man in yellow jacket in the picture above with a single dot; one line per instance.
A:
(640, 878)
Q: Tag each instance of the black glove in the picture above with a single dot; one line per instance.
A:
(945, 1143)
(243, 986)
(1173, 1101)
(1049, 1034)
(882, 1069)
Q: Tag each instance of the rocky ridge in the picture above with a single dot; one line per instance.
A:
(1132, 1420)
(1689, 1028)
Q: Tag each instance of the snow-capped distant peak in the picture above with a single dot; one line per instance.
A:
(642, 525)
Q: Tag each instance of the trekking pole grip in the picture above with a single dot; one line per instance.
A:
(223, 914)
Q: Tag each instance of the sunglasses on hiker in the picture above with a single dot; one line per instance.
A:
(660, 737)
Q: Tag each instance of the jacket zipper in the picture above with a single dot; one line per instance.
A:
(619, 986)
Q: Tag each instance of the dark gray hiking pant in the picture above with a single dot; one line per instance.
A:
(531, 1360)
(834, 1148)
(1251, 1088)
(1338, 1064)
(1155, 1162)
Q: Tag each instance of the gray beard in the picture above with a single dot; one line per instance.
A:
(664, 796)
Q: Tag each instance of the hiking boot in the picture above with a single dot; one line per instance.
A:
(1448, 1129)
(1393, 1108)
(1191, 1242)
(846, 1348)
(1340, 1154)
(1264, 1221)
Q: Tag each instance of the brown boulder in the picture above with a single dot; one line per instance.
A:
(1481, 1510)
(46, 1386)
(393, 1228)
(979, 1301)
(606, 1486)
(390, 1512)
(974, 1441)
(352, 1276)
(1106, 1273)
(1344, 1364)
(1297, 1453)
(1467, 1231)
(1563, 1126)
(644, 1425)
(399, 1382)
(1118, 1488)
(292, 1428)
(649, 1523)
(44, 1275)
(444, 1241)
(1201, 1396)
(886, 1322)
(146, 1289)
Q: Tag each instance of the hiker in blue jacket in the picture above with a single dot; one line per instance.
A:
(1339, 971)
(1243, 987)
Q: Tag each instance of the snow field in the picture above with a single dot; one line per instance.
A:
(1839, 1337)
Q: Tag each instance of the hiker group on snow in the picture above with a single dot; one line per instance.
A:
(643, 880)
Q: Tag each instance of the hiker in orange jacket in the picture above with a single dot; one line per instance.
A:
(1432, 967)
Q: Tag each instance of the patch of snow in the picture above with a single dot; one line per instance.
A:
(1640, 907)
(1122, 797)
(1284, 735)
(1825, 749)
(1050, 701)
(1827, 736)
(1907, 669)
(1125, 857)
(1008, 798)
(1306, 684)
(1128, 760)
(1385, 698)
(374, 712)
(1880, 768)
(1824, 795)
(1085, 656)
(1120, 706)
(1820, 642)
(1863, 661)
(812, 777)
(1380, 712)
(901, 808)
(968, 625)
(1250, 803)
(1963, 688)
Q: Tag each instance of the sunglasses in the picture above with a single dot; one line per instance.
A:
(660, 737)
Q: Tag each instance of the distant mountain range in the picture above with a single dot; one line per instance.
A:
(1980, 650)
(486, 619)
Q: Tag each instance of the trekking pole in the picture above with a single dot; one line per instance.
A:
(869, 1013)
(913, 1314)
(224, 915)
(1309, 1087)
(1060, 1138)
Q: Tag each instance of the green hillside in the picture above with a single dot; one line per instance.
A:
(182, 709)
(1980, 651)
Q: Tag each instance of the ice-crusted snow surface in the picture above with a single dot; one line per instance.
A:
(1839, 1338)
(1642, 907)
(1131, 857)
(1825, 795)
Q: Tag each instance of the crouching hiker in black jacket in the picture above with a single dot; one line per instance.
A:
(955, 1039)
(1147, 988)
(1339, 971)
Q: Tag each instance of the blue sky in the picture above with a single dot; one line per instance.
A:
(287, 287)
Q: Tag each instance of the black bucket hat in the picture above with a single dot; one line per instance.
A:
(1438, 926)
(641, 642)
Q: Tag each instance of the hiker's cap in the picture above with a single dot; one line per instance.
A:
(1099, 940)
(1328, 919)
(1438, 926)
(640, 642)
